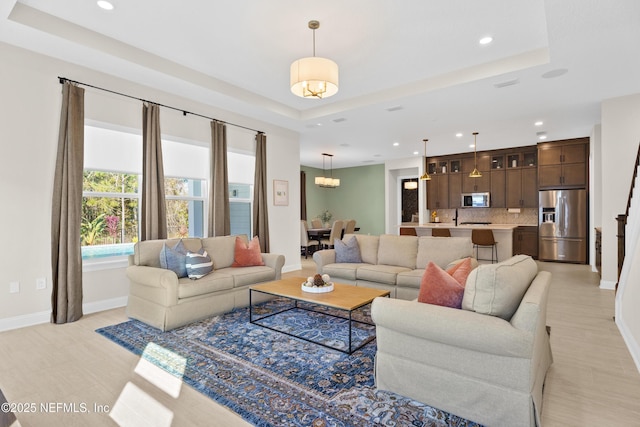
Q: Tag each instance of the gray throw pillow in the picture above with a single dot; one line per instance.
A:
(198, 264)
(348, 251)
(174, 259)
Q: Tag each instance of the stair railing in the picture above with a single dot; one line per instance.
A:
(622, 218)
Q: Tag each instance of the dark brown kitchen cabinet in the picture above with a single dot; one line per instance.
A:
(498, 188)
(525, 241)
(438, 192)
(521, 188)
(455, 189)
(481, 184)
(563, 164)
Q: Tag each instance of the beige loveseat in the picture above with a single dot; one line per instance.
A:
(159, 298)
(486, 362)
(394, 263)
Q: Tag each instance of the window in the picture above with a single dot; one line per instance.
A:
(110, 203)
(112, 190)
(240, 208)
(185, 202)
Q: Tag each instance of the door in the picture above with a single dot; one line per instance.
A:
(409, 199)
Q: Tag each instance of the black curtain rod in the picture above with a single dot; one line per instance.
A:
(184, 112)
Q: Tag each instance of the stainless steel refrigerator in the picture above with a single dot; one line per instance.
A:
(563, 226)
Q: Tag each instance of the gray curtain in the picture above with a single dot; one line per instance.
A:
(303, 195)
(260, 202)
(153, 223)
(219, 221)
(66, 215)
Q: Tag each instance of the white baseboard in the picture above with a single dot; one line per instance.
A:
(38, 318)
(107, 304)
(24, 320)
(627, 336)
(607, 284)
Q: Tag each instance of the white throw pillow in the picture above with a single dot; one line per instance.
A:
(497, 289)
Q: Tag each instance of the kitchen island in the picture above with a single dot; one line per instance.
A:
(502, 233)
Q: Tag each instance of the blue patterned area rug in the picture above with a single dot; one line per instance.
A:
(273, 379)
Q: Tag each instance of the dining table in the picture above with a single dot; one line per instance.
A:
(318, 233)
(321, 233)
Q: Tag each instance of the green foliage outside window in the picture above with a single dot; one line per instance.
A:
(113, 217)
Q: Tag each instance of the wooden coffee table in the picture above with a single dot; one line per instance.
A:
(345, 298)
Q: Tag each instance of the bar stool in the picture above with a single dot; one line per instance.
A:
(408, 231)
(483, 238)
(440, 232)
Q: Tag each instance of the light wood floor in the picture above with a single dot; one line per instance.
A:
(593, 381)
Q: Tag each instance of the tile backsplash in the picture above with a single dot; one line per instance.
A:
(493, 215)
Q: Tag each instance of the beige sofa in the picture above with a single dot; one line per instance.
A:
(394, 263)
(486, 362)
(159, 298)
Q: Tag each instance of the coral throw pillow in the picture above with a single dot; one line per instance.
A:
(442, 287)
(247, 255)
(461, 271)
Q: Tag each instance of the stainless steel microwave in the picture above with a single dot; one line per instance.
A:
(476, 200)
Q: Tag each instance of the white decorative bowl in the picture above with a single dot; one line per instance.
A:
(317, 290)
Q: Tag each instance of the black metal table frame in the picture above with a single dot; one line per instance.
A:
(350, 350)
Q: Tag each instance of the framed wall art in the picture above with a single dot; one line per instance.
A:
(280, 192)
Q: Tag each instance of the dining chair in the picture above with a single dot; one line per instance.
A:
(350, 226)
(305, 242)
(336, 233)
(316, 223)
(483, 238)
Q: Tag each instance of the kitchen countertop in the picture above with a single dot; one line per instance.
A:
(467, 226)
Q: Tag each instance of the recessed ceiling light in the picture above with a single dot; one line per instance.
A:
(542, 137)
(395, 144)
(415, 153)
(105, 5)
(471, 145)
(538, 123)
(459, 135)
(486, 40)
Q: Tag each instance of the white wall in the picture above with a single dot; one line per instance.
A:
(620, 139)
(29, 117)
(595, 189)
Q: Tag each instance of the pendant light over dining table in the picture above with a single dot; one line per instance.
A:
(475, 173)
(314, 77)
(324, 180)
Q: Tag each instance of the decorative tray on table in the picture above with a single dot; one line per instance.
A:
(318, 284)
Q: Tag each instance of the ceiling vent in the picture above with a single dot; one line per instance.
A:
(506, 83)
(396, 108)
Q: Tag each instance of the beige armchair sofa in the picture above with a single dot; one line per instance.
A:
(486, 362)
(394, 263)
(159, 298)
